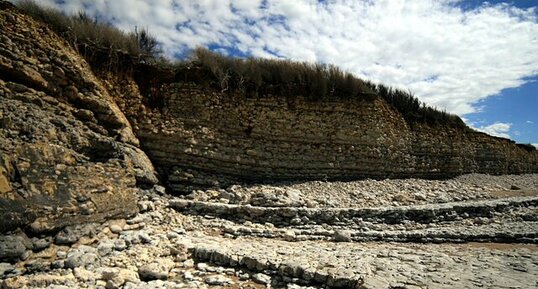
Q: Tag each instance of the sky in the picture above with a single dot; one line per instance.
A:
(476, 59)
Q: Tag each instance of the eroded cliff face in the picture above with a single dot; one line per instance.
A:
(67, 153)
(202, 138)
(76, 146)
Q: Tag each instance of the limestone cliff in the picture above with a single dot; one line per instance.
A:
(199, 137)
(67, 153)
(73, 141)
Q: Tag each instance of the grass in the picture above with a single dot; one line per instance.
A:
(315, 82)
(99, 42)
(107, 47)
(528, 147)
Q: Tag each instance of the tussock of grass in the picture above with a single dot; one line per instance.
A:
(260, 77)
(105, 46)
(413, 110)
(528, 147)
(97, 41)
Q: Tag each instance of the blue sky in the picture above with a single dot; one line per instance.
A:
(473, 58)
(517, 107)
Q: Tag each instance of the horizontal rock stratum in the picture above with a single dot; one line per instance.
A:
(68, 154)
(73, 137)
(204, 138)
(89, 136)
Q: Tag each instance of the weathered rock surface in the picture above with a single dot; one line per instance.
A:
(164, 248)
(199, 138)
(70, 159)
(66, 149)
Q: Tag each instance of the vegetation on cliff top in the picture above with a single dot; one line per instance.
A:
(105, 46)
(98, 42)
(259, 77)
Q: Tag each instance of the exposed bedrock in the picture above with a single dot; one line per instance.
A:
(200, 138)
(68, 155)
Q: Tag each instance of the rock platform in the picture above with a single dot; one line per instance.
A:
(487, 241)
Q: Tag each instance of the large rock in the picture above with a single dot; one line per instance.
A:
(157, 270)
(66, 149)
(12, 247)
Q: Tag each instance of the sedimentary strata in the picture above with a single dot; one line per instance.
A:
(66, 149)
(163, 248)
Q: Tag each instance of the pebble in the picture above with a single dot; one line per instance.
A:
(342, 236)
(161, 255)
(202, 266)
(40, 244)
(187, 275)
(116, 229)
(106, 247)
(261, 278)
(5, 269)
(156, 270)
(82, 256)
(117, 277)
(84, 275)
(218, 280)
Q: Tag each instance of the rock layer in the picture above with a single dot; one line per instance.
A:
(201, 138)
(66, 149)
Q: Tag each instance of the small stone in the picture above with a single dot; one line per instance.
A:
(26, 255)
(65, 238)
(118, 277)
(115, 228)
(342, 236)
(61, 254)
(11, 247)
(202, 266)
(82, 256)
(84, 275)
(159, 189)
(515, 188)
(120, 244)
(289, 235)
(135, 220)
(144, 238)
(156, 270)
(218, 280)
(261, 278)
(40, 244)
(187, 275)
(58, 264)
(5, 269)
(172, 235)
(188, 263)
(244, 276)
(71, 235)
(180, 231)
(39, 265)
(105, 247)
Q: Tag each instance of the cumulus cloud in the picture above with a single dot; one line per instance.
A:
(500, 129)
(450, 57)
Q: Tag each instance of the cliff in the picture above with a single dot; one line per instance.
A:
(68, 154)
(72, 139)
(199, 137)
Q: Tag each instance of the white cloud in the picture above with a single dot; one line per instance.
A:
(500, 129)
(451, 58)
(535, 144)
(529, 122)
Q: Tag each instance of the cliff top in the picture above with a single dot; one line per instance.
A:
(106, 47)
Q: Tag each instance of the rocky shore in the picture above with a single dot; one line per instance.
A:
(88, 142)
(482, 234)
